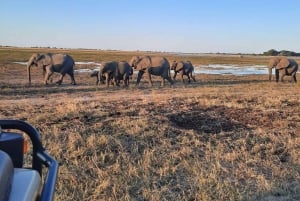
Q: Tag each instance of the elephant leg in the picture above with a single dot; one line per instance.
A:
(175, 73)
(193, 77)
(126, 81)
(47, 76)
(162, 82)
(72, 78)
(107, 80)
(277, 75)
(182, 77)
(139, 77)
(112, 81)
(281, 75)
(149, 79)
(294, 77)
(102, 79)
(117, 81)
(44, 71)
(170, 80)
(188, 78)
(117, 77)
(60, 79)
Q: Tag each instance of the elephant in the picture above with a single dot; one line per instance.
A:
(114, 71)
(151, 65)
(95, 73)
(283, 66)
(102, 78)
(184, 68)
(50, 63)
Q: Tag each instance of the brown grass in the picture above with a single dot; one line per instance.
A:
(221, 138)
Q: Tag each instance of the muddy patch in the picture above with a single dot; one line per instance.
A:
(208, 120)
(216, 119)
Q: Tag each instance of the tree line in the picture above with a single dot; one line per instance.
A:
(274, 52)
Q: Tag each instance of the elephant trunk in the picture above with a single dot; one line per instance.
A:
(101, 77)
(28, 72)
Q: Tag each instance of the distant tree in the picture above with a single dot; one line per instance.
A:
(271, 52)
(287, 53)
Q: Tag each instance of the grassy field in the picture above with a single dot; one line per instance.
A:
(221, 138)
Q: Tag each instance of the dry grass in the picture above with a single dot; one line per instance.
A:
(221, 138)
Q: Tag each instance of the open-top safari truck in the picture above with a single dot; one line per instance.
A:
(18, 182)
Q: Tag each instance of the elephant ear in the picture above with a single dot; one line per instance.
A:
(174, 64)
(283, 63)
(35, 56)
(133, 61)
(44, 59)
(33, 59)
(179, 66)
(144, 63)
(40, 57)
(273, 62)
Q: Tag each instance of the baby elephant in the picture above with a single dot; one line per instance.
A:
(95, 74)
(184, 68)
(113, 72)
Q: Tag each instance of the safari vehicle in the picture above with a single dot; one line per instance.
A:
(18, 182)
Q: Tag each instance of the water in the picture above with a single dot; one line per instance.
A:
(222, 69)
(219, 69)
(87, 63)
(19, 62)
(82, 70)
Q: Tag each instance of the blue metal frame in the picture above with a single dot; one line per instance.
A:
(40, 156)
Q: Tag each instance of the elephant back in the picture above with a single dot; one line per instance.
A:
(124, 67)
(188, 67)
(185, 66)
(293, 64)
(157, 61)
(180, 66)
(108, 67)
(191, 67)
(58, 58)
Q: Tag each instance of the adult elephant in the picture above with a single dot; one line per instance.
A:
(151, 65)
(184, 68)
(283, 66)
(50, 63)
(114, 71)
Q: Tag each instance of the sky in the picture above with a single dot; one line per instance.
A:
(188, 26)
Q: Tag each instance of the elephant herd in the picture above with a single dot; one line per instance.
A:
(116, 71)
(113, 71)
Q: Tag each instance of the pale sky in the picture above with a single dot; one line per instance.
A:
(191, 26)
